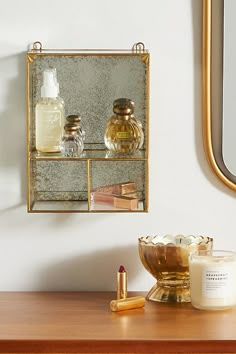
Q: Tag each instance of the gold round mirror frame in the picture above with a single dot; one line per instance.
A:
(207, 94)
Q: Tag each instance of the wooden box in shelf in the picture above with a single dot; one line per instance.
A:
(89, 83)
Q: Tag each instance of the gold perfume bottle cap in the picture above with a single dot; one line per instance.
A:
(73, 118)
(71, 127)
(129, 303)
(123, 106)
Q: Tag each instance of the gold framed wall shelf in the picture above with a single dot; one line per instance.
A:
(90, 80)
(214, 89)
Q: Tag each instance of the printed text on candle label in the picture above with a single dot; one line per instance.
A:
(216, 282)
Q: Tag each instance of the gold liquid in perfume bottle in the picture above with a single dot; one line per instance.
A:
(124, 133)
(49, 125)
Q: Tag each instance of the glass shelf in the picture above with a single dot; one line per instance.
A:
(90, 154)
(78, 206)
(104, 207)
(59, 205)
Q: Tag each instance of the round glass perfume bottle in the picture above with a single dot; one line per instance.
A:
(75, 118)
(72, 143)
(124, 132)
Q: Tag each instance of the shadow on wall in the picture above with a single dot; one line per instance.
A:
(197, 50)
(13, 119)
(90, 272)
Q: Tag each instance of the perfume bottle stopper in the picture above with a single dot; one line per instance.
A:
(76, 119)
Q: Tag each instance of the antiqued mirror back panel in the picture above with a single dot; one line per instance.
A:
(97, 179)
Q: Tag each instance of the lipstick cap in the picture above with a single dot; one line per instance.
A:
(127, 304)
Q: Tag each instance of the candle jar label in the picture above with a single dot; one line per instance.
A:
(217, 282)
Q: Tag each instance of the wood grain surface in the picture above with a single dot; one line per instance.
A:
(81, 322)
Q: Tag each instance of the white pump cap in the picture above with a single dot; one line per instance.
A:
(50, 87)
(55, 78)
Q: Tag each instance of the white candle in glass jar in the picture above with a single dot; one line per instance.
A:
(213, 279)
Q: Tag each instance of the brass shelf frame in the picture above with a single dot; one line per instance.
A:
(37, 50)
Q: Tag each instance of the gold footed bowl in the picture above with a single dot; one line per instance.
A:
(167, 259)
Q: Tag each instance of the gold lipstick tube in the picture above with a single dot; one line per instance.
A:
(121, 283)
(127, 304)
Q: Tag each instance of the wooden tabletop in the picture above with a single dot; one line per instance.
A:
(81, 322)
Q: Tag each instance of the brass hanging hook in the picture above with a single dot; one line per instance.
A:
(37, 46)
(139, 47)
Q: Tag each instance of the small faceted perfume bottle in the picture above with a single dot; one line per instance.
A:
(72, 143)
(75, 118)
(49, 115)
(124, 133)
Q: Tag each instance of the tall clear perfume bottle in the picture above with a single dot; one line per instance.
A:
(72, 143)
(75, 118)
(49, 115)
(124, 132)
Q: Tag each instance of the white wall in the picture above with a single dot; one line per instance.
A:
(83, 251)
